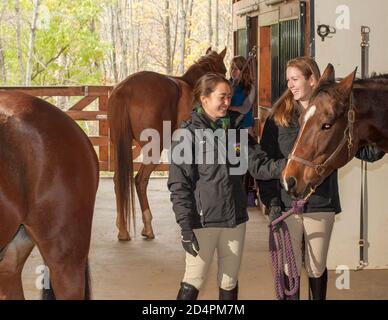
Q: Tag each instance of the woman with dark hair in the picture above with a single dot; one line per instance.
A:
(208, 198)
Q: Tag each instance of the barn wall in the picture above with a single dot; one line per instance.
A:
(344, 52)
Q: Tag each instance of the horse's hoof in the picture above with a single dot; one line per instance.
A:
(124, 237)
(149, 235)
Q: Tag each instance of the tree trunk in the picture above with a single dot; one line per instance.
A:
(189, 15)
(182, 36)
(120, 34)
(113, 43)
(216, 40)
(18, 40)
(3, 71)
(173, 49)
(61, 100)
(32, 43)
(209, 23)
(3, 74)
(168, 36)
(132, 28)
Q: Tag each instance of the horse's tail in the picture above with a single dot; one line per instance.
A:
(121, 136)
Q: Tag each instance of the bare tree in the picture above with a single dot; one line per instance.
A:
(209, 23)
(189, 16)
(32, 42)
(168, 36)
(18, 39)
(216, 40)
(120, 36)
(3, 71)
(182, 35)
(175, 21)
(113, 43)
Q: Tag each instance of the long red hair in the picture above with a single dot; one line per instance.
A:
(283, 108)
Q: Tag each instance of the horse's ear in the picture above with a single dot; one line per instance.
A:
(346, 84)
(208, 50)
(222, 54)
(328, 75)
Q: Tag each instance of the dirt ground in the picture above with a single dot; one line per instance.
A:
(152, 270)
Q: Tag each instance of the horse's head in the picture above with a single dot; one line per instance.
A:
(326, 140)
(215, 61)
(210, 62)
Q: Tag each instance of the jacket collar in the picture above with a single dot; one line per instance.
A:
(202, 121)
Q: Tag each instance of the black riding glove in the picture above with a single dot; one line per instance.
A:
(275, 211)
(189, 242)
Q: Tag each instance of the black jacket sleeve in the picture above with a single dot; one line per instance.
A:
(260, 166)
(181, 183)
(370, 153)
(269, 191)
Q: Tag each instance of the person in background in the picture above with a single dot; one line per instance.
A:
(244, 93)
(241, 110)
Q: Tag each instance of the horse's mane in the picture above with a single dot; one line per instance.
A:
(207, 62)
(375, 78)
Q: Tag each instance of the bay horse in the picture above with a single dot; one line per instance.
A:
(341, 117)
(143, 101)
(49, 178)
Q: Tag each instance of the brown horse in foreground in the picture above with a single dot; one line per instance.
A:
(341, 118)
(143, 101)
(48, 183)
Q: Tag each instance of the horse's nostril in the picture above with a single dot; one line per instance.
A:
(291, 183)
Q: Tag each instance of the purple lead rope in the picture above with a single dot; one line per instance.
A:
(280, 247)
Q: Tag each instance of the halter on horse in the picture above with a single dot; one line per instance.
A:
(343, 117)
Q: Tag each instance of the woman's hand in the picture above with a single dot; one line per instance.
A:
(189, 242)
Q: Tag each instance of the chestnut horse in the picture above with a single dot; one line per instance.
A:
(341, 118)
(143, 101)
(49, 179)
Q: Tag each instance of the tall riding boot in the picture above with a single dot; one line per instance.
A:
(318, 287)
(296, 296)
(187, 292)
(228, 294)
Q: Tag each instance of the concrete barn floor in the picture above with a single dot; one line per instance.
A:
(152, 270)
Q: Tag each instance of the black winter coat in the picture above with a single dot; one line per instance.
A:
(207, 195)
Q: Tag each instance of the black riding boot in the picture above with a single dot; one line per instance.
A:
(287, 284)
(187, 292)
(318, 287)
(228, 294)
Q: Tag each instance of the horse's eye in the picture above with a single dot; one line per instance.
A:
(326, 126)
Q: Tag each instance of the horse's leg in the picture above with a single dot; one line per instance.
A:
(141, 181)
(11, 266)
